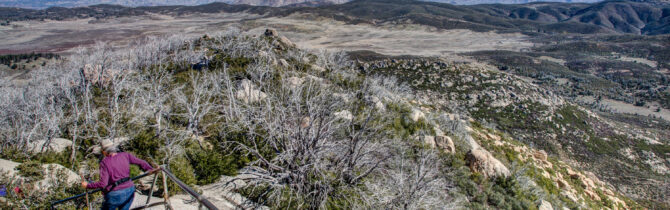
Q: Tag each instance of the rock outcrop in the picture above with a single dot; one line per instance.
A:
(445, 143)
(282, 42)
(248, 93)
(55, 145)
(344, 114)
(481, 161)
(416, 115)
(51, 173)
(544, 205)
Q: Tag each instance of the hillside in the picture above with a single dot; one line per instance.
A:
(279, 3)
(548, 18)
(471, 2)
(337, 136)
(43, 4)
(369, 104)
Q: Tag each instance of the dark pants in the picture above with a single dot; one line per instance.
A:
(121, 199)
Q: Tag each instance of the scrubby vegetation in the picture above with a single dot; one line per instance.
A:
(10, 59)
(303, 130)
(225, 105)
(534, 117)
(621, 67)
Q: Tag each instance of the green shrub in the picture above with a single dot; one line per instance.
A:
(209, 164)
(31, 170)
(285, 200)
(146, 145)
(183, 170)
(61, 158)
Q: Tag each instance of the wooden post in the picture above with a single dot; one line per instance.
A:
(151, 192)
(166, 195)
(88, 202)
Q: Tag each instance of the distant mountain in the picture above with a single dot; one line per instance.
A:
(279, 3)
(627, 17)
(42, 4)
(471, 2)
(541, 17)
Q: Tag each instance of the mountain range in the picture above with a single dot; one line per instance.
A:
(628, 17)
(41, 4)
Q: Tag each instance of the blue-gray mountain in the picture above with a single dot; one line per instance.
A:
(41, 4)
(604, 17)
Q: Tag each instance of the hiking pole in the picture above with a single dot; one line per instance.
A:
(88, 203)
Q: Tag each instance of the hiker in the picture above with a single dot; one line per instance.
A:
(118, 189)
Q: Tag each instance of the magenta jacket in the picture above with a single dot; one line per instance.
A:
(115, 168)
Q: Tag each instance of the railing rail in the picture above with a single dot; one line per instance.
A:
(203, 201)
(166, 174)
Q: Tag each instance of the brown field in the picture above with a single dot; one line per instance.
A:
(408, 39)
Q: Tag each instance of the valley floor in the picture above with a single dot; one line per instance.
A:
(310, 33)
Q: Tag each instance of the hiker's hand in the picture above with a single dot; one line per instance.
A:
(84, 184)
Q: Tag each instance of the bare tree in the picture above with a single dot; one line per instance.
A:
(313, 148)
(199, 97)
(72, 93)
(412, 179)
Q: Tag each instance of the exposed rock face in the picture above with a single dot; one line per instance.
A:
(248, 92)
(283, 42)
(56, 145)
(544, 205)
(379, 105)
(344, 114)
(286, 41)
(51, 172)
(416, 115)
(541, 155)
(295, 82)
(283, 63)
(8, 166)
(483, 162)
(317, 68)
(471, 143)
(430, 141)
(445, 143)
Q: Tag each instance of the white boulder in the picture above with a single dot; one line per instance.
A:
(248, 92)
(445, 143)
(544, 205)
(483, 162)
(416, 115)
(56, 145)
(344, 114)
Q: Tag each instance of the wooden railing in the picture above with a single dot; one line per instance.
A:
(166, 174)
